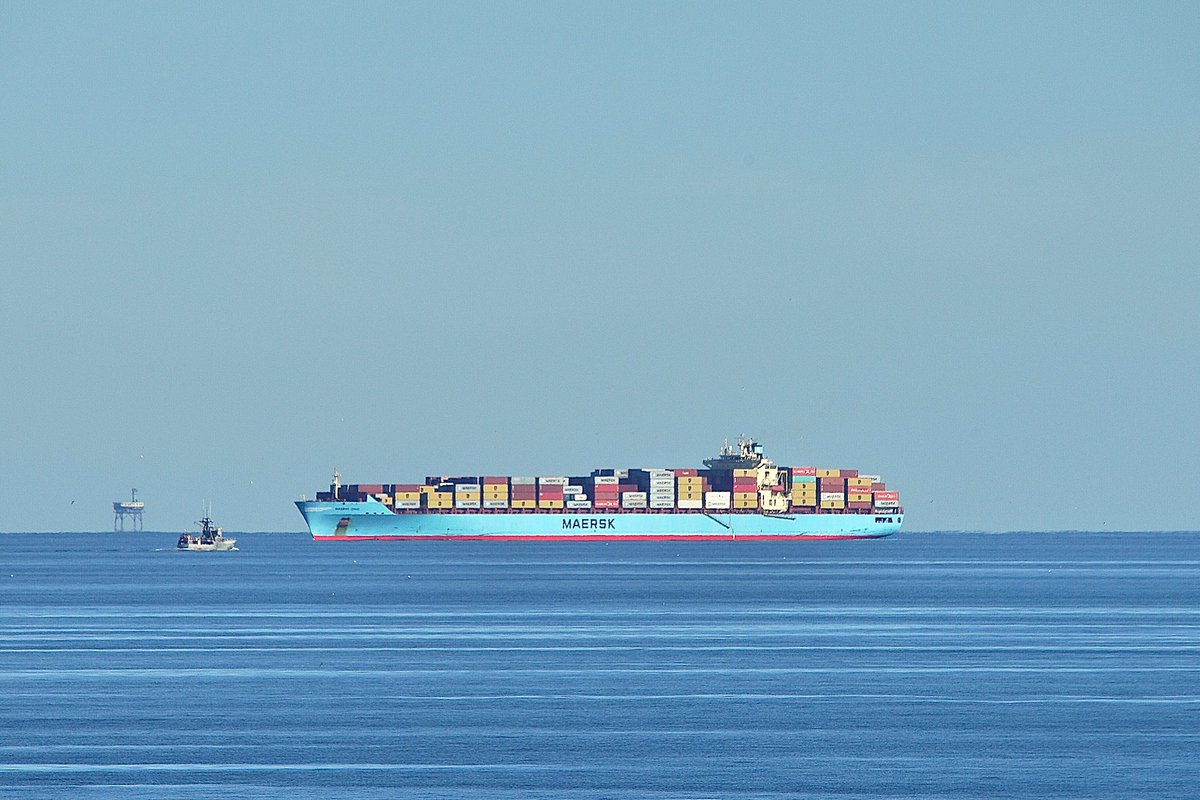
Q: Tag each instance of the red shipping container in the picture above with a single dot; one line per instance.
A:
(626, 487)
(805, 471)
(745, 481)
(495, 479)
(887, 496)
(878, 487)
(408, 487)
(686, 473)
(848, 473)
(370, 488)
(832, 483)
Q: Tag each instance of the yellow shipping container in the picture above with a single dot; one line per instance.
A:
(550, 503)
(745, 473)
(495, 494)
(408, 495)
(834, 504)
(690, 496)
(858, 481)
(859, 496)
(829, 473)
(428, 489)
(466, 495)
(524, 504)
(804, 501)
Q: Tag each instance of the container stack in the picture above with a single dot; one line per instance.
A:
(435, 498)
(858, 494)
(406, 496)
(721, 501)
(745, 488)
(689, 489)
(495, 492)
(633, 499)
(660, 488)
(886, 501)
(832, 489)
(765, 489)
(606, 493)
(467, 495)
(524, 492)
(550, 491)
(804, 487)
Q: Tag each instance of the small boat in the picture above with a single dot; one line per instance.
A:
(210, 537)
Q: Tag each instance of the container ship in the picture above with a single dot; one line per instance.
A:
(738, 495)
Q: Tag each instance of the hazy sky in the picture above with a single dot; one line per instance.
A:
(245, 243)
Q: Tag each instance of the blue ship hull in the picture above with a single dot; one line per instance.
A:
(373, 520)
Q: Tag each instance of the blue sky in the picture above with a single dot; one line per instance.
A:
(244, 244)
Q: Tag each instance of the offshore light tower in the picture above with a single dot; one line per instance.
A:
(131, 510)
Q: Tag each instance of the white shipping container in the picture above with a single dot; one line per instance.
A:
(872, 478)
(405, 504)
(579, 504)
(573, 488)
(887, 504)
(667, 481)
(466, 504)
(606, 479)
(712, 502)
(495, 504)
(660, 473)
(634, 495)
(633, 502)
(661, 503)
(718, 495)
(833, 496)
(691, 503)
(523, 479)
(552, 480)
(467, 487)
(621, 473)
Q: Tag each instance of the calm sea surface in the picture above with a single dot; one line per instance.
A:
(925, 665)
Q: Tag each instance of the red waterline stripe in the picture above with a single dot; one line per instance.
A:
(668, 537)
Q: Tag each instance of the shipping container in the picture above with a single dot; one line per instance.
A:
(576, 504)
(804, 472)
(407, 505)
(522, 479)
(690, 504)
(494, 503)
(887, 495)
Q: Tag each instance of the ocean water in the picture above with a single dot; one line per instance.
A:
(925, 665)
